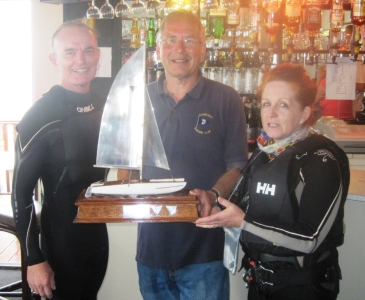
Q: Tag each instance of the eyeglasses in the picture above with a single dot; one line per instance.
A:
(188, 42)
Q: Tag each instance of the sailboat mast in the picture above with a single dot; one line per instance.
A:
(144, 106)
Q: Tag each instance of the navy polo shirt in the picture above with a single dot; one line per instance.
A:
(203, 135)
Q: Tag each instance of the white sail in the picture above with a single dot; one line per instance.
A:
(129, 137)
(128, 122)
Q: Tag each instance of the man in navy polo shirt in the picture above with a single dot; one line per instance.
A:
(202, 126)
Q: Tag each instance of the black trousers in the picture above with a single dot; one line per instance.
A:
(79, 259)
(301, 292)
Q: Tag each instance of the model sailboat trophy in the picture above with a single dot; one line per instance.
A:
(129, 136)
(129, 139)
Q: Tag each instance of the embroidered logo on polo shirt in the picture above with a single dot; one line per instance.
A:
(203, 123)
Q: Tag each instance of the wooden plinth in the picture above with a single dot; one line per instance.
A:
(176, 207)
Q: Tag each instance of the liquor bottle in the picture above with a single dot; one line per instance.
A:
(272, 26)
(151, 34)
(232, 13)
(206, 24)
(271, 18)
(242, 31)
(256, 111)
(232, 21)
(214, 60)
(216, 24)
(347, 4)
(143, 31)
(159, 69)
(336, 19)
(135, 42)
(209, 60)
(313, 16)
(292, 15)
(312, 22)
(358, 17)
(255, 19)
(158, 25)
(151, 75)
(251, 127)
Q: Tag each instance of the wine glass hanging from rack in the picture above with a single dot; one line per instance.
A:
(93, 12)
(138, 7)
(153, 7)
(122, 9)
(107, 10)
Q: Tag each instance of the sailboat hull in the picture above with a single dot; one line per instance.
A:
(140, 188)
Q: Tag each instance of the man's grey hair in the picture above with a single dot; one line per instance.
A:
(70, 24)
(184, 15)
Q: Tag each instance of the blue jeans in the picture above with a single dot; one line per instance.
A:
(209, 281)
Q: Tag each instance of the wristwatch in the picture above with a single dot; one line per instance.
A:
(216, 202)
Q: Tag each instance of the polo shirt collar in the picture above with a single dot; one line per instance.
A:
(194, 93)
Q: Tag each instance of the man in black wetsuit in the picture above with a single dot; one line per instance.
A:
(57, 141)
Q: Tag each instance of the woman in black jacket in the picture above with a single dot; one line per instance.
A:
(289, 200)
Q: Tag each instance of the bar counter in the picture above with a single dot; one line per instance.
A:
(122, 278)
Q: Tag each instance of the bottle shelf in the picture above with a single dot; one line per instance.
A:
(260, 50)
(284, 51)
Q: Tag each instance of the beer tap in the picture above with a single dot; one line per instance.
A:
(333, 53)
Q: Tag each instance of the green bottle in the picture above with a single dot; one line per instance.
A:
(151, 34)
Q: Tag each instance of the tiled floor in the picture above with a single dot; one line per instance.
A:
(9, 244)
(9, 250)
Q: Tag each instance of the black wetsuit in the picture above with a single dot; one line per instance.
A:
(294, 220)
(57, 141)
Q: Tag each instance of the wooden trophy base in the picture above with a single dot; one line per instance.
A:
(176, 207)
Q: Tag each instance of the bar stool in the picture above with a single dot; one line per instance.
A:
(7, 224)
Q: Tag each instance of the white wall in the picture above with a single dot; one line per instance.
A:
(45, 19)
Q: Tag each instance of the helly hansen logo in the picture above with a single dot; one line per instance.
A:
(265, 188)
